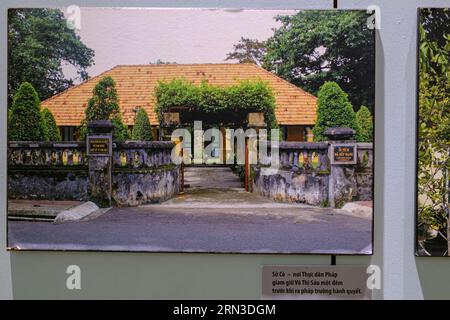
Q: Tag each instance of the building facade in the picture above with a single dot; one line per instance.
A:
(295, 108)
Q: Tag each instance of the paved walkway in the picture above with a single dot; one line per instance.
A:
(211, 219)
(211, 177)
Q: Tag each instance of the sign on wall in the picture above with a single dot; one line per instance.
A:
(343, 154)
(99, 145)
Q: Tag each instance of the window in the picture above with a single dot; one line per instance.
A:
(67, 133)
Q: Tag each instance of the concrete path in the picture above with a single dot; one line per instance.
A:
(211, 177)
(202, 230)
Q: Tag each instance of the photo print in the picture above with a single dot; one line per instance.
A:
(192, 130)
(433, 133)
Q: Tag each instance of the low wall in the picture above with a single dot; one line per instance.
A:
(45, 170)
(302, 177)
(142, 172)
(306, 176)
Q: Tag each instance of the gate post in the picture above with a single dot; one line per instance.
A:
(99, 151)
(342, 153)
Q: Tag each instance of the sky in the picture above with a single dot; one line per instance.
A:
(141, 35)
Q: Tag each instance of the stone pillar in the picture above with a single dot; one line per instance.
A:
(99, 150)
(255, 120)
(342, 152)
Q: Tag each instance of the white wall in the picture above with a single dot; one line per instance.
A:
(127, 275)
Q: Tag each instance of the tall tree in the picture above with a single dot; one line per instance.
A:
(312, 47)
(159, 61)
(26, 122)
(104, 105)
(333, 110)
(39, 42)
(248, 51)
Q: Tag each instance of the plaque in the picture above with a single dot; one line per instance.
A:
(99, 145)
(256, 119)
(343, 154)
(316, 282)
(171, 118)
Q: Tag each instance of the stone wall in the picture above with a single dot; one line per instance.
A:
(306, 176)
(142, 172)
(45, 170)
(302, 177)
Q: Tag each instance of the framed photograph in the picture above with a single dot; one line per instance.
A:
(433, 133)
(194, 130)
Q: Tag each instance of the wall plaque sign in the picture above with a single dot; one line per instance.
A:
(315, 282)
(99, 145)
(171, 118)
(343, 154)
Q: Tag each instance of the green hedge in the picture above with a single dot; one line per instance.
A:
(244, 96)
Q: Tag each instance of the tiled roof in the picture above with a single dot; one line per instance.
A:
(135, 84)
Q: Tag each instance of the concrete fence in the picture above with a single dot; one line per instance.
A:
(142, 172)
(309, 175)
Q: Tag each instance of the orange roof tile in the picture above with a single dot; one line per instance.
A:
(135, 84)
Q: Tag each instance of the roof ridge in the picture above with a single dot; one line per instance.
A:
(78, 85)
(183, 64)
(284, 80)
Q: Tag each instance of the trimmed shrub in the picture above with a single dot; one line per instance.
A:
(104, 105)
(26, 123)
(142, 129)
(51, 129)
(121, 132)
(365, 124)
(333, 110)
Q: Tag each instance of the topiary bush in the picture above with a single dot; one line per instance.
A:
(51, 129)
(365, 124)
(142, 129)
(26, 122)
(104, 105)
(333, 110)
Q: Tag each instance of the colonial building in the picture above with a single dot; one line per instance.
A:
(295, 109)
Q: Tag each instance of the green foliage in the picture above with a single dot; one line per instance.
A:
(333, 110)
(245, 96)
(104, 105)
(9, 115)
(434, 120)
(26, 123)
(248, 51)
(159, 61)
(121, 132)
(39, 41)
(365, 124)
(51, 129)
(142, 129)
(312, 47)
